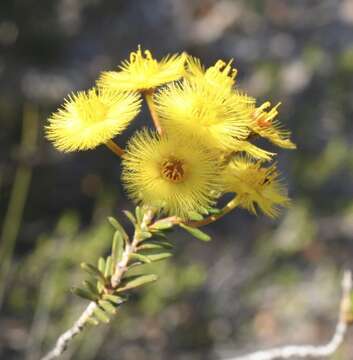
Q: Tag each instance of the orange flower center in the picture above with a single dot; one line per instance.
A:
(173, 170)
(263, 122)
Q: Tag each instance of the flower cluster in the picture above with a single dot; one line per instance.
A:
(203, 145)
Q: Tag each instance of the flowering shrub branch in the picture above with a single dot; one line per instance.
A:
(64, 339)
(108, 283)
(202, 148)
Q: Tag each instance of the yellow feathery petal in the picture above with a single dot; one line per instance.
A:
(172, 174)
(194, 67)
(255, 185)
(265, 125)
(253, 150)
(88, 119)
(220, 75)
(198, 109)
(142, 72)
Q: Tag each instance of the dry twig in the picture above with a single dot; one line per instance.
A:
(311, 351)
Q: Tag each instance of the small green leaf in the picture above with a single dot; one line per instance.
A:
(134, 265)
(157, 255)
(139, 214)
(145, 235)
(160, 234)
(165, 244)
(146, 245)
(118, 227)
(101, 315)
(108, 267)
(117, 248)
(101, 264)
(214, 211)
(203, 210)
(139, 257)
(113, 298)
(132, 282)
(83, 293)
(193, 215)
(162, 225)
(130, 216)
(92, 270)
(107, 306)
(100, 286)
(91, 320)
(91, 287)
(197, 233)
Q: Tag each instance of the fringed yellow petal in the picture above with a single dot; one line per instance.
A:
(173, 174)
(253, 150)
(198, 109)
(88, 119)
(255, 185)
(143, 72)
(265, 125)
(220, 75)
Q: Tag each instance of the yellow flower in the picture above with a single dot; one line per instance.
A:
(143, 72)
(255, 185)
(175, 175)
(221, 74)
(88, 119)
(202, 110)
(265, 125)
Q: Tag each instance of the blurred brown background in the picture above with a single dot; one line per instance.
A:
(259, 283)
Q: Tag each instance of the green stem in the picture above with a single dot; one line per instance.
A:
(130, 248)
(155, 118)
(18, 195)
(115, 148)
(212, 218)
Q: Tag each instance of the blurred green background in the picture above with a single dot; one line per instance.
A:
(259, 283)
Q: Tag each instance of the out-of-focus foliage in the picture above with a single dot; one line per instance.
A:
(258, 283)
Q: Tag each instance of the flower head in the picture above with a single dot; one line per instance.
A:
(143, 72)
(265, 125)
(88, 119)
(255, 185)
(170, 173)
(220, 75)
(198, 109)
